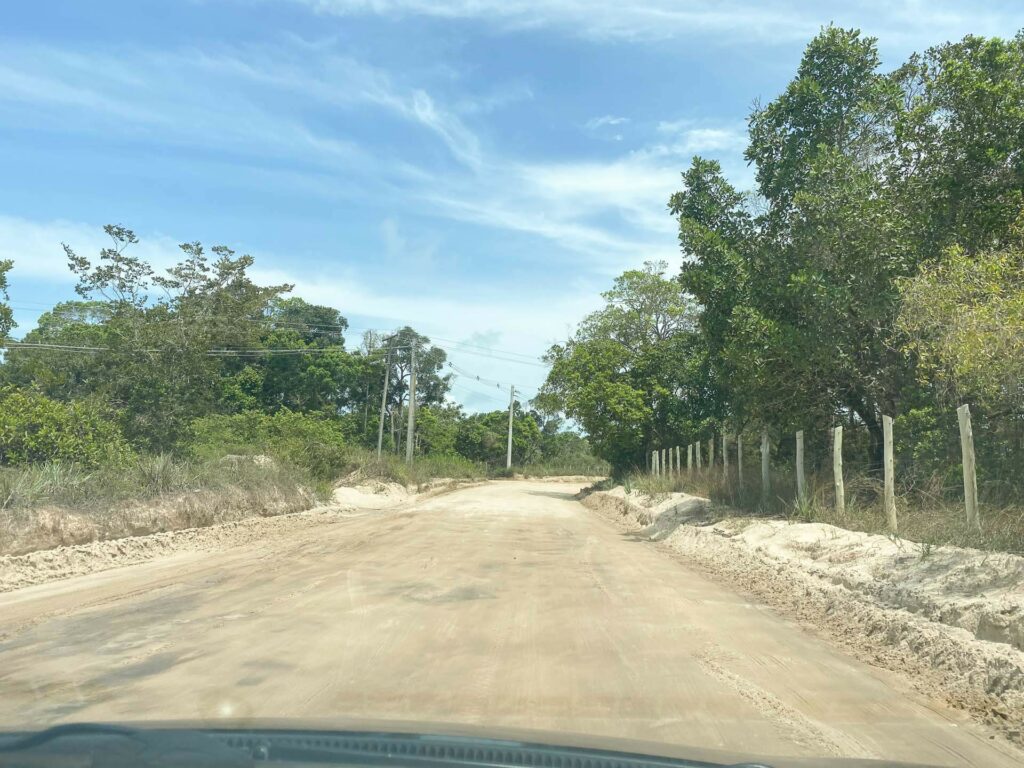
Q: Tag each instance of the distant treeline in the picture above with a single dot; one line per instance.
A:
(200, 360)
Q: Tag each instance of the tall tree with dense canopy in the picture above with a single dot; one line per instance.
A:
(633, 375)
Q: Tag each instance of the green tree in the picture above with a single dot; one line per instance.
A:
(957, 143)
(633, 375)
(964, 318)
(431, 383)
(6, 314)
(437, 428)
(483, 437)
(161, 360)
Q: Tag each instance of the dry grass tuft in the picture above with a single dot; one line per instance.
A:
(54, 505)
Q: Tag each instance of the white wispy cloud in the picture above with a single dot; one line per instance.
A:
(591, 218)
(902, 22)
(610, 213)
(686, 136)
(596, 123)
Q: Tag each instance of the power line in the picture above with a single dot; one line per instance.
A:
(497, 384)
(223, 352)
(495, 353)
(477, 393)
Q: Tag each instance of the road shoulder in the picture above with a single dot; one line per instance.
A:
(981, 677)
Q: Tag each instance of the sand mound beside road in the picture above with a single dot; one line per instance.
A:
(950, 617)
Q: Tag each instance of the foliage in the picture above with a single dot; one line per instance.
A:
(314, 443)
(483, 437)
(964, 317)
(157, 360)
(437, 427)
(630, 373)
(6, 315)
(34, 428)
(877, 191)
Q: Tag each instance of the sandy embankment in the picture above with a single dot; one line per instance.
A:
(951, 618)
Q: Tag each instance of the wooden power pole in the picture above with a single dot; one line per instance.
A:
(511, 405)
(410, 441)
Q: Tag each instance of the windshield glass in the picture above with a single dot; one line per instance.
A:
(549, 370)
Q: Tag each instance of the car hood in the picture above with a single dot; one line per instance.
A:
(446, 738)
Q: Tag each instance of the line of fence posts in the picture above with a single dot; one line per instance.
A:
(669, 462)
(664, 463)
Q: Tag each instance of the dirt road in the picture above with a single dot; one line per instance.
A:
(506, 604)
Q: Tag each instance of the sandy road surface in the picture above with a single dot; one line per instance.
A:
(506, 604)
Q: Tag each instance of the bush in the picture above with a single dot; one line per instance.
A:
(35, 428)
(309, 441)
(432, 466)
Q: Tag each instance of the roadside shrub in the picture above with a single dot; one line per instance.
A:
(309, 441)
(35, 428)
(432, 466)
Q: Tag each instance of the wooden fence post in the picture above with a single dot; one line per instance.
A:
(654, 463)
(711, 452)
(725, 456)
(766, 480)
(661, 462)
(679, 461)
(889, 475)
(801, 481)
(696, 447)
(837, 470)
(739, 458)
(963, 414)
(689, 460)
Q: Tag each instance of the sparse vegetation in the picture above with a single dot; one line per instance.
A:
(58, 503)
(928, 513)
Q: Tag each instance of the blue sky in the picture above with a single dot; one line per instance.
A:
(479, 169)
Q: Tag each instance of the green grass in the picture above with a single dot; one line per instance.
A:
(363, 463)
(569, 467)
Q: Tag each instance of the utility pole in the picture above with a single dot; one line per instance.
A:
(511, 405)
(410, 437)
(384, 400)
